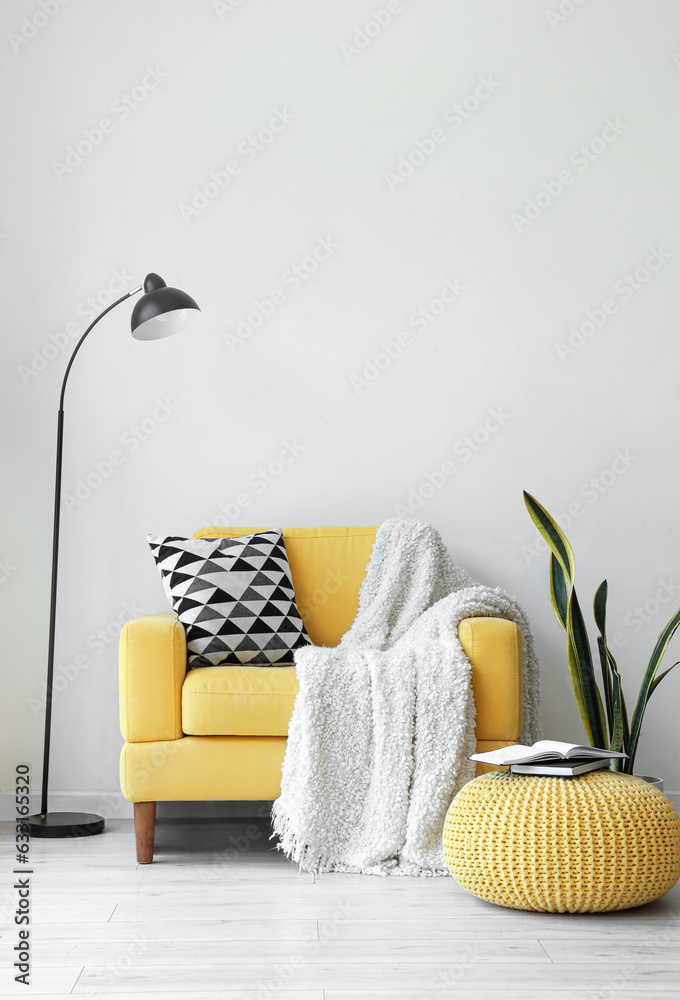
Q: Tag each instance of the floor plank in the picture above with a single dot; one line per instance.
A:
(624, 924)
(483, 994)
(180, 890)
(325, 909)
(440, 896)
(219, 994)
(379, 975)
(663, 948)
(70, 911)
(261, 929)
(172, 952)
(331, 910)
(93, 881)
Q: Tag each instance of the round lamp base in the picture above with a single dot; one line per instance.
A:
(66, 824)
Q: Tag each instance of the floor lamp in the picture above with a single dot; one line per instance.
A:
(161, 312)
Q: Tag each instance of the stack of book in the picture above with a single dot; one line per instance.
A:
(549, 757)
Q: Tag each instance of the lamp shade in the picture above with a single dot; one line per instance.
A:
(162, 311)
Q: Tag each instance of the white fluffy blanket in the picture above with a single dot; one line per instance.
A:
(384, 722)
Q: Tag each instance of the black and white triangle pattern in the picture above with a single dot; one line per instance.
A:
(234, 597)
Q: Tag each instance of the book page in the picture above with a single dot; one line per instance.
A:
(550, 749)
(543, 750)
(556, 747)
(569, 750)
(514, 752)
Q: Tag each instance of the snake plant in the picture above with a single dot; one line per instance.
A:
(604, 715)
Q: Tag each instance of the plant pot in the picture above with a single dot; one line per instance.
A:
(654, 782)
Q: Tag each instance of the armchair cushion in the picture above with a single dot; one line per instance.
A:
(238, 701)
(234, 596)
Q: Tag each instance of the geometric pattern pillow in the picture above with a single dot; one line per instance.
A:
(234, 597)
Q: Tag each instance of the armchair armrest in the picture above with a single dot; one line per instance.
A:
(153, 664)
(494, 648)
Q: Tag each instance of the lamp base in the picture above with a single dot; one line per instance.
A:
(57, 824)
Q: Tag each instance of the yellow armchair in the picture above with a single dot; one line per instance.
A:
(220, 732)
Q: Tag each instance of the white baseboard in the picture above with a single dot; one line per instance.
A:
(112, 805)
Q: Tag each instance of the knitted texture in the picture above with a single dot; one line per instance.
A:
(383, 724)
(601, 841)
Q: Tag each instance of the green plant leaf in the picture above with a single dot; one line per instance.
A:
(578, 637)
(600, 609)
(581, 670)
(553, 535)
(606, 683)
(624, 710)
(558, 591)
(657, 680)
(624, 716)
(577, 687)
(616, 741)
(608, 665)
(665, 637)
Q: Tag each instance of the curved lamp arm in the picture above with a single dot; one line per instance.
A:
(94, 322)
(55, 554)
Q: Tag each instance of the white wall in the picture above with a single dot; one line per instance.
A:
(219, 76)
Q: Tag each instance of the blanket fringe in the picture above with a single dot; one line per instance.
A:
(304, 856)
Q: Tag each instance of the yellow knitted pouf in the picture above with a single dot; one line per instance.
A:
(601, 841)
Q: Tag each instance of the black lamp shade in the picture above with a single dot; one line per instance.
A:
(162, 311)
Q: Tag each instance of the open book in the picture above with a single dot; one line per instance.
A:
(544, 752)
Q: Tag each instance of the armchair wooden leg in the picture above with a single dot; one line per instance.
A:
(145, 826)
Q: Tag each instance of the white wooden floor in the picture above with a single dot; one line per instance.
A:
(199, 924)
